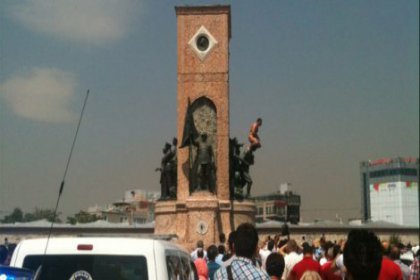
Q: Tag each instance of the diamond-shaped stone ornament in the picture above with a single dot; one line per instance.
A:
(202, 42)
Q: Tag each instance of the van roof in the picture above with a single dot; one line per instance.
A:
(93, 246)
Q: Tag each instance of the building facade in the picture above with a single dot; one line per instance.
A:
(280, 206)
(390, 190)
(137, 207)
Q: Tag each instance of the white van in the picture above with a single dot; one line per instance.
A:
(102, 258)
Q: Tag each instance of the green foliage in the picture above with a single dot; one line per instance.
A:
(17, 216)
(40, 214)
(82, 217)
(71, 220)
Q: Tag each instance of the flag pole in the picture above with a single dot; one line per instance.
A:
(190, 165)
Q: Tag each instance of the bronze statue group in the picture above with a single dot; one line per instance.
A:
(202, 170)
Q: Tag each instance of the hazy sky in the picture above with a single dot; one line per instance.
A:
(336, 82)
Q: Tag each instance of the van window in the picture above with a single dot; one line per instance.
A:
(188, 268)
(174, 268)
(180, 267)
(88, 267)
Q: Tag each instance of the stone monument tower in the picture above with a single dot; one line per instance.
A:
(203, 207)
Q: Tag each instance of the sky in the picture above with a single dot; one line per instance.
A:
(336, 83)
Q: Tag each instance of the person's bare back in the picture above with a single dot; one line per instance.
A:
(253, 137)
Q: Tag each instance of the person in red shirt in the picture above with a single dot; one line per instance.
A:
(307, 263)
(328, 272)
(201, 266)
(390, 270)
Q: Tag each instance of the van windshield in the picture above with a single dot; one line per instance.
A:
(88, 267)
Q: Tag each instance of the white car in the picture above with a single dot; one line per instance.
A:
(102, 258)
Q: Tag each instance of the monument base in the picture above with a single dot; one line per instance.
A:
(202, 216)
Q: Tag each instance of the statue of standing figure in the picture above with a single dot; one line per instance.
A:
(204, 167)
(168, 171)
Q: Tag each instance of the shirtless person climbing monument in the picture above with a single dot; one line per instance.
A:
(253, 134)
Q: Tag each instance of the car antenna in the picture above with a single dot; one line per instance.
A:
(38, 271)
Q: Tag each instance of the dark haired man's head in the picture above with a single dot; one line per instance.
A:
(270, 245)
(275, 265)
(333, 252)
(259, 121)
(394, 253)
(200, 253)
(362, 255)
(222, 238)
(246, 240)
(326, 245)
(231, 240)
(281, 243)
(221, 249)
(307, 249)
(212, 252)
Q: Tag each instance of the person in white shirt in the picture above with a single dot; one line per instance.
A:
(291, 257)
(265, 252)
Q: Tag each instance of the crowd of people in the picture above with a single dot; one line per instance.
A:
(360, 256)
(245, 256)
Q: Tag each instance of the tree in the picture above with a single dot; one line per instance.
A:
(39, 214)
(82, 217)
(15, 217)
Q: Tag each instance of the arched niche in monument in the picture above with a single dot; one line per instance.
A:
(205, 121)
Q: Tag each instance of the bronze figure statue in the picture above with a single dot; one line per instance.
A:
(168, 171)
(234, 164)
(244, 177)
(204, 167)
